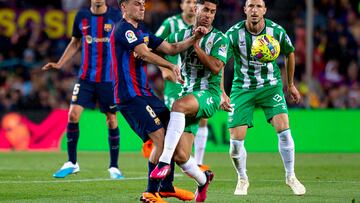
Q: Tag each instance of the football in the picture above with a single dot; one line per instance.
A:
(265, 48)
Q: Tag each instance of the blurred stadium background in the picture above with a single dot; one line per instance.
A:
(33, 103)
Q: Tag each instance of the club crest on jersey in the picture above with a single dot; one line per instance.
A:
(222, 50)
(130, 36)
(107, 27)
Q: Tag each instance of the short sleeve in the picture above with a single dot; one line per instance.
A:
(220, 49)
(286, 47)
(76, 32)
(128, 36)
(230, 51)
(164, 30)
(154, 41)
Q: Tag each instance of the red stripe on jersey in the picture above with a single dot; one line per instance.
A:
(147, 82)
(99, 61)
(85, 67)
(114, 66)
(133, 74)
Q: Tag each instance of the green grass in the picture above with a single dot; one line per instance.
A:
(27, 177)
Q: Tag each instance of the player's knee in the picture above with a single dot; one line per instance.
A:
(281, 125)
(179, 106)
(111, 121)
(74, 116)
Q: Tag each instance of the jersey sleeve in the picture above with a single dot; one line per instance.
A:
(128, 36)
(76, 32)
(174, 59)
(164, 30)
(220, 49)
(154, 41)
(230, 51)
(286, 47)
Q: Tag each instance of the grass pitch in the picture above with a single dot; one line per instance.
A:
(27, 177)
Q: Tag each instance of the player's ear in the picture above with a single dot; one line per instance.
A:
(265, 9)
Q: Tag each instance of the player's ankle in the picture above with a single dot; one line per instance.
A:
(162, 164)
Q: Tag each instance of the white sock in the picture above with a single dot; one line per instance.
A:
(192, 170)
(200, 144)
(174, 130)
(238, 156)
(286, 149)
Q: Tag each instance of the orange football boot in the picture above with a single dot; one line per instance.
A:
(149, 197)
(180, 194)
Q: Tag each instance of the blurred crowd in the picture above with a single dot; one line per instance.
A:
(335, 79)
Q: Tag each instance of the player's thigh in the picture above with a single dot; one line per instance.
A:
(184, 148)
(160, 110)
(105, 96)
(141, 117)
(171, 93)
(209, 103)
(84, 94)
(243, 104)
(187, 104)
(272, 101)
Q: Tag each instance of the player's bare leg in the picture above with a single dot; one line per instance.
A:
(287, 152)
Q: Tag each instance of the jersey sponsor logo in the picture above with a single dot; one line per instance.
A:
(107, 27)
(90, 39)
(222, 50)
(113, 106)
(130, 36)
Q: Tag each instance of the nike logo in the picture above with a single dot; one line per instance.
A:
(113, 107)
(85, 27)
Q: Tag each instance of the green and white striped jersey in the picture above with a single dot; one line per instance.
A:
(171, 25)
(250, 73)
(197, 77)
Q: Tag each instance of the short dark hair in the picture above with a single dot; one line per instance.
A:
(211, 1)
(120, 1)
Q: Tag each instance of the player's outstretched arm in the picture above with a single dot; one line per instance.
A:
(175, 48)
(69, 52)
(145, 54)
(290, 70)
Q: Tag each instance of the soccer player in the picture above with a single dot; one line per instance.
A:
(145, 113)
(172, 89)
(91, 32)
(201, 67)
(259, 84)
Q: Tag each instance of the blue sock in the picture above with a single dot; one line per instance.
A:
(153, 184)
(72, 140)
(114, 142)
(166, 184)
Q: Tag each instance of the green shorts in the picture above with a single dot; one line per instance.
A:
(209, 103)
(171, 93)
(271, 99)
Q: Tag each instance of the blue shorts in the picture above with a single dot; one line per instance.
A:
(145, 115)
(87, 93)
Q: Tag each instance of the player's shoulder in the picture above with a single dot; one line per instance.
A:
(83, 12)
(272, 24)
(235, 28)
(219, 34)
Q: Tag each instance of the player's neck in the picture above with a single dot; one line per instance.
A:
(255, 29)
(98, 10)
(131, 21)
(188, 20)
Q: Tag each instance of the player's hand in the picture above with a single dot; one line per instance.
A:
(177, 72)
(50, 66)
(200, 31)
(294, 94)
(225, 103)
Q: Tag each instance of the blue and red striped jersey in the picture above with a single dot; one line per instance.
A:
(97, 62)
(130, 77)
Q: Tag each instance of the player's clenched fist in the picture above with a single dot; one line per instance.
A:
(200, 31)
